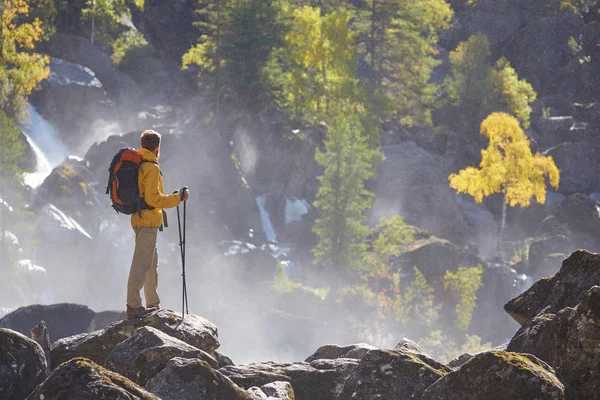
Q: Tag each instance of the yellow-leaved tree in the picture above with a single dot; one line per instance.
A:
(508, 167)
(21, 69)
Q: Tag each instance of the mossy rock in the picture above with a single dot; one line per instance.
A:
(191, 379)
(392, 375)
(578, 274)
(499, 375)
(81, 378)
(22, 365)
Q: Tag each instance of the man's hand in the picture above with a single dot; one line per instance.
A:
(184, 194)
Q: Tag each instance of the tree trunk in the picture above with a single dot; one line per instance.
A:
(502, 224)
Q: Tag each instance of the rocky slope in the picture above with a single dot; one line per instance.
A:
(555, 355)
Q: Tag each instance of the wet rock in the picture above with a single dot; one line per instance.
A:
(62, 320)
(569, 341)
(392, 375)
(97, 346)
(272, 391)
(567, 288)
(184, 379)
(321, 379)
(81, 378)
(22, 365)
(498, 375)
(333, 351)
(147, 352)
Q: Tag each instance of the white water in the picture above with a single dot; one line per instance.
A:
(265, 219)
(295, 209)
(42, 169)
(47, 145)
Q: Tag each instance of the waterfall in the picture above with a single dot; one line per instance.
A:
(294, 209)
(47, 145)
(42, 168)
(265, 219)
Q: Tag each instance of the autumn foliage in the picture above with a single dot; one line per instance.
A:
(507, 166)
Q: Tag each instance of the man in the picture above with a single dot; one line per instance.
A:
(144, 267)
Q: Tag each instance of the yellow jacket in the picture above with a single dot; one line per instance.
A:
(150, 183)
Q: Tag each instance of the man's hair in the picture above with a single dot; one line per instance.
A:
(150, 139)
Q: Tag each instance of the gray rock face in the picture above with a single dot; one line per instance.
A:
(580, 214)
(148, 351)
(62, 320)
(498, 375)
(81, 378)
(333, 351)
(392, 375)
(184, 379)
(540, 265)
(567, 288)
(578, 163)
(80, 51)
(321, 379)
(22, 365)
(569, 341)
(169, 26)
(275, 390)
(97, 346)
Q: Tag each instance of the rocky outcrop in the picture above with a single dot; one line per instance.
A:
(169, 26)
(22, 365)
(569, 341)
(81, 378)
(97, 346)
(392, 375)
(321, 379)
(499, 375)
(72, 99)
(333, 351)
(567, 288)
(433, 257)
(62, 320)
(578, 165)
(184, 379)
(78, 50)
(147, 352)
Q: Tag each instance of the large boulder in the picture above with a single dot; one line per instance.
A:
(72, 99)
(62, 320)
(22, 365)
(78, 50)
(147, 352)
(321, 379)
(97, 346)
(567, 288)
(333, 351)
(569, 341)
(499, 375)
(275, 390)
(433, 257)
(81, 378)
(184, 379)
(392, 375)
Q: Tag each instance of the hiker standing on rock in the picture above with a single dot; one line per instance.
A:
(146, 223)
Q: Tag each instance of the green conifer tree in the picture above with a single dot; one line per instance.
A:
(342, 197)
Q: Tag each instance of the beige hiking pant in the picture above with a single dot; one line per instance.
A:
(144, 269)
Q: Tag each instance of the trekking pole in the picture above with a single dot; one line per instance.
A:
(184, 300)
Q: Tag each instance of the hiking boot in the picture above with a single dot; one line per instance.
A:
(136, 312)
(153, 307)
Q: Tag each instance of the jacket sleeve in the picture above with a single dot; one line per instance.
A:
(153, 194)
